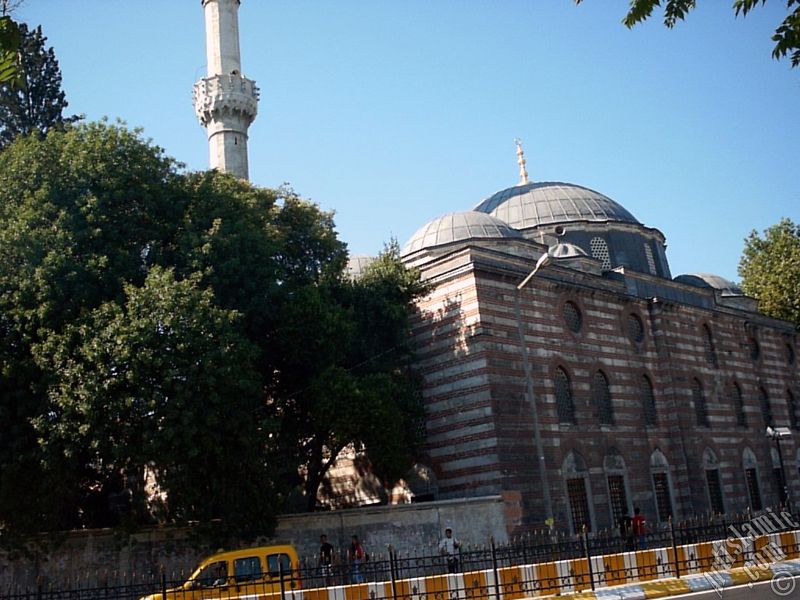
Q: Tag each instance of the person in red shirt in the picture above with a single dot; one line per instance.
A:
(638, 525)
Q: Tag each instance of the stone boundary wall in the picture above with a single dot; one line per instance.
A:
(103, 555)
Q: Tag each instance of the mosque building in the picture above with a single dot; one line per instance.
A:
(632, 388)
(563, 366)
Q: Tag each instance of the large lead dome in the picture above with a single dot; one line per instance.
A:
(547, 203)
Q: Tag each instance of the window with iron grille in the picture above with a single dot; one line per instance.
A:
(648, 401)
(792, 406)
(663, 498)
(635, 327)
(699, 399)
(573, 317)
(738, 404)
(715, 491)
(601, 396)
(780, 483)
(599, 249)
(751, 477)
(564, 400)
(708, 342)
(617, 497)
(578, 504)
(766, 407)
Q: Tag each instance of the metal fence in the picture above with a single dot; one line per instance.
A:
(396, 569)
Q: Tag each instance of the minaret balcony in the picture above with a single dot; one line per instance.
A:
(217, 95)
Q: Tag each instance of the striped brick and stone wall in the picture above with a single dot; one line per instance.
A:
(479, 420)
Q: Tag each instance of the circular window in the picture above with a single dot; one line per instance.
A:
(755, 349)
(572, 316)
(635, 327)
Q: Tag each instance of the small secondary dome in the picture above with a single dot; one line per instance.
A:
(548, 202)
(455, 227)
(566, 250)
(357, 263)
(709, 280)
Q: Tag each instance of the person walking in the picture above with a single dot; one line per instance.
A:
(638, 524)
(448, 548)
(356, 556)
(325, 559)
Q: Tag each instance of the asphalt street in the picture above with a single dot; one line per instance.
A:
(785, 588)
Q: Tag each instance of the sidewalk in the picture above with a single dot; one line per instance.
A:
(694, 583)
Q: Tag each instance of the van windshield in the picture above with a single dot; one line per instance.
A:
(213, 574)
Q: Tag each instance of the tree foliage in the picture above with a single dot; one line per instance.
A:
(31, 98)
(770, 270)
(182, 347)
(9, 46)
(786, 37)
(344, 359)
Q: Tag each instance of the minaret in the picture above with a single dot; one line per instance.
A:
(225, 101)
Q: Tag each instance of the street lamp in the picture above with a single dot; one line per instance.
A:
(778, 434)
(537, 436)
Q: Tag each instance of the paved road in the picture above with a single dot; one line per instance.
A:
(760, 591)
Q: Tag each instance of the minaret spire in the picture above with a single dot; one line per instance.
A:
(225, 102)
(523, 173)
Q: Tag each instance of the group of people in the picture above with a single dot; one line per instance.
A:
(633, 530)
(357, 556)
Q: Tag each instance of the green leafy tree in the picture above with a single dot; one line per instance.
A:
(770, 270)
(345, 377)
(9, 46)
(179, 347)
(786, 37)
(163, 386)
(31, 98)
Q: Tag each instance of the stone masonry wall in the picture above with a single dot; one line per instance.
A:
(100, 555)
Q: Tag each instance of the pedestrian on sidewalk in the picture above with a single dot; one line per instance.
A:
(448, 548)
(325, 559)
(639, 528)
(356, 554)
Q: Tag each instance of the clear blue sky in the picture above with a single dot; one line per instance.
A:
(394, 113)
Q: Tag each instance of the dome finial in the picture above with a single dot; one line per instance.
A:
(523, 173)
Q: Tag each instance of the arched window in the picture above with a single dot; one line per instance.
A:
(648, 401)
(616, 475)
(708, 342)
(659, 470)
(791, 405)
(576, 476)
(601, 397)
(699, 399)
(766, 406)
(750, 466)
(564, 400)
(713, 482)
(572, 316)
(599, 249)
(635, 327)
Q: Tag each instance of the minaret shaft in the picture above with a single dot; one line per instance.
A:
(222, 37)
(226, 103)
